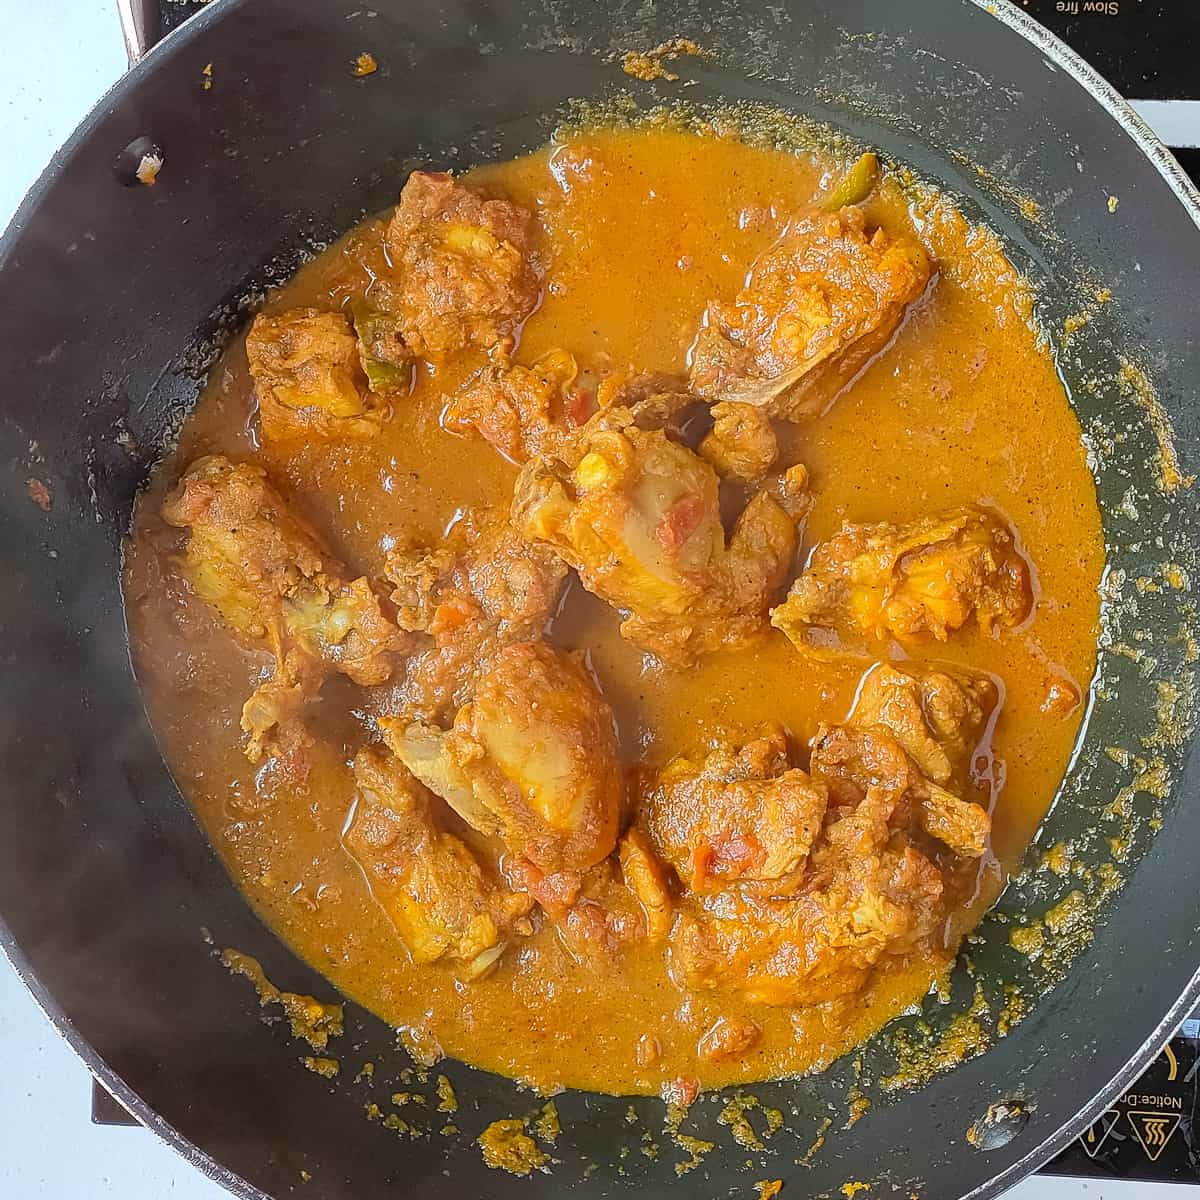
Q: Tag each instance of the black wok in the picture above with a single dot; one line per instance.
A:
(114, 298)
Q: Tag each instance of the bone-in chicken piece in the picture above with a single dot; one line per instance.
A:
(598, 911)
(522, 411)
(855, 760)
(308, 377)
(927, 578)
(638, 516)
(645, 878)
(527, 411)
(869, 896)
(278, 587)
(938, 715)
(444, 902)
(741, 443)
(742, 815)
(481, 572)
(857, 880)
(532, 758)
(482, 589)
(817, 307)
(463, 275)
(957, 823)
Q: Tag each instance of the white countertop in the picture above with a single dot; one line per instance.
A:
(63, 54)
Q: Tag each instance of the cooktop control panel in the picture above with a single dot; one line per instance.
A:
(1148, 1131)
(1145, 48)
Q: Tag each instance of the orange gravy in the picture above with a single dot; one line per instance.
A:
(640, 229)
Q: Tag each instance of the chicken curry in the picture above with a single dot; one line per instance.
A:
(621, 614)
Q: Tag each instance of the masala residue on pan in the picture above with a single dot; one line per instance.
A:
(311, 1019)
(649, 65)
(1132, 382)
(507, 1147)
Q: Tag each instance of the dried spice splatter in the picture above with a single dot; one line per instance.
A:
(311, 1020)
(327, 1068)
(447, 1097)
(507, 1147)
(649, 64)
(39, 493)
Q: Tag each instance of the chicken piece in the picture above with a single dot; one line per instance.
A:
(522, 411)
(937, 715)
(957, 823)
(643, 875)
(908, 581)
(638, 516)
(855, 760)
(741, 443)
(533, 759)
(868, 887)
(442, 900)
(743, 816)
(538, 410)
(270, 577)
(277, 586)
(648, 399)
(484, 588)
(869, 897)
(484, 571)
(308, 377)
(818, 306)
(464, 270)
(599, 912)
(273, 717)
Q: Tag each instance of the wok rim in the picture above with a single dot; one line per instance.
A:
(1168, 166)
(1061, 56)
(100, 1070)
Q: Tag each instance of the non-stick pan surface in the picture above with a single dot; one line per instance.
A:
(113, 298)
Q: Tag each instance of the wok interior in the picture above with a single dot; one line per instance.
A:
(92, 932)
(466, 898)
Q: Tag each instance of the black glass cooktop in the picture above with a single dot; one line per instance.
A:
(1145, 48)
(1150, 1131)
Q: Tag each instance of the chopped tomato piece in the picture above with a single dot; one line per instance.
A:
(702, 860)
(451, 615)
(578, 405)
(680, 521)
